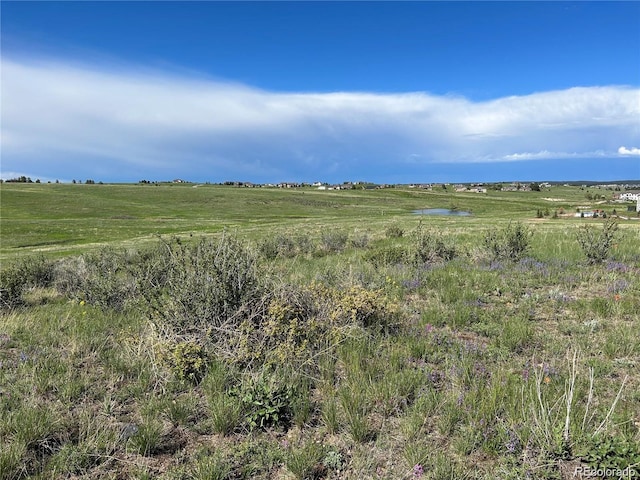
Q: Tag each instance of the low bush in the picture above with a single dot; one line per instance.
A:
(28, 272)
(363, 307)
(596, 245)
(394, 231)
(200, 288)
(333, 242)
(186, 360)
(612, 452)
(360, 240)
(509, 243)
(299, 322)
(105, 279)
(429, 247)
(386, 255)
(266, 402)
(285, 246)
(277, 246)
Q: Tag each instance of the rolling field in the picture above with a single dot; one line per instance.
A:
(63, 219)
(205, 332)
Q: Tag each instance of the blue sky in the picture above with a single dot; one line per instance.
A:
(331, 91)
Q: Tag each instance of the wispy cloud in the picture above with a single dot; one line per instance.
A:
(99, 120)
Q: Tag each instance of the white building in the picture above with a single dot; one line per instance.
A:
(630, 196)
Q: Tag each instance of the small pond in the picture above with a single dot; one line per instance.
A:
(442, 211)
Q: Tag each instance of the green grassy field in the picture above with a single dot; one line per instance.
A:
(64, 219)
(205, 332)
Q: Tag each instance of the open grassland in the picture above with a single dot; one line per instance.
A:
(63, 219)
(217, 332)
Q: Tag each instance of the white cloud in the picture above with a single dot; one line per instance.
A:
(629, 151)
(134, 121)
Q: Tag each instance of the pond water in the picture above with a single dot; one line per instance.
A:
(442, 211)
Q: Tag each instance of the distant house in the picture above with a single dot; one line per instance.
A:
(592, 214)
(629, 196)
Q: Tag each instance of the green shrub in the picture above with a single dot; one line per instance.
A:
(69, 276)
(386, 255)
(509, 243)
(359, 241)
(429, 247)
(333, 242)
(277, 246)
(363, 307)
(287, 331)
(28, 272)
(199, 288)
(187, 361)
(297, 323)
(612, 452)
(11, 287)
(596, 245)
(285, 245)
(266, 402)
(394, 231)
(106, 279)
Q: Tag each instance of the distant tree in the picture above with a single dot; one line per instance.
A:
(90, 182)
(37, 180)
(20, 179)
(534, 187)
(73, 181)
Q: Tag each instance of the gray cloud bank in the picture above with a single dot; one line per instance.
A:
(122, 119)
